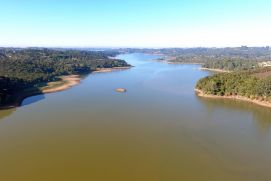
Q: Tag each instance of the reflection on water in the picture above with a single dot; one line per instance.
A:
(27, 101)
(261, 115)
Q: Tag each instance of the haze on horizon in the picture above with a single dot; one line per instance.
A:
(141, 23)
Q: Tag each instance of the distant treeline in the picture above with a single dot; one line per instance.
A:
(254, 84)
(231, 64)
(38, 65)
(238, 58)
(26, 68)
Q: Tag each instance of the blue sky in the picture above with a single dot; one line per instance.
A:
(137, 23)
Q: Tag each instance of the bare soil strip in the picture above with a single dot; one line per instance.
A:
(65, 83)
(242, 98)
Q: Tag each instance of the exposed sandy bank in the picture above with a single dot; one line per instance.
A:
(65, 83)
(215, 70)
(200, 93)
(104, 70)
(69, 81)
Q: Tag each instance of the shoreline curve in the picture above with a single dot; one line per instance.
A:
(267, 104)
(66, 82)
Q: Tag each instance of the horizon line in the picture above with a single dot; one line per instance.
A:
(135, 47)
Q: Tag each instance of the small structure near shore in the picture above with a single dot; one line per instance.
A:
(120, 90)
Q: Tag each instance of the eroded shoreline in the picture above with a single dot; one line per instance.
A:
(69, 81)
(104, 70)
(215, 70)
(65, 82)
(200, 93)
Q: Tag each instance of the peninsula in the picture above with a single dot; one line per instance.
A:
(251, 85)
(32, 71)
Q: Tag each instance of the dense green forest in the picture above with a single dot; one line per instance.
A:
(231, 64)
(9, 87)
(255, 84)
(38, 65)
(26, 68)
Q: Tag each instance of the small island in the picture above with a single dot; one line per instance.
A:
(121, 90)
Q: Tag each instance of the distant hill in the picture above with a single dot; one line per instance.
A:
(237, 58)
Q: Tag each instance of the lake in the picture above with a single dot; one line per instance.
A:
(159, 130)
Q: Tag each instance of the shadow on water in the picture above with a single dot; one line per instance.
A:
(261, 115)
(21, 102)
(33, 99)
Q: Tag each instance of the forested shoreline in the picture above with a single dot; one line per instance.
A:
(239, 73)
(24, 70)
(29, 69)
(253, 84)
(228, 59)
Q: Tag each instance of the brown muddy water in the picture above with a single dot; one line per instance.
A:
(159, 130)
